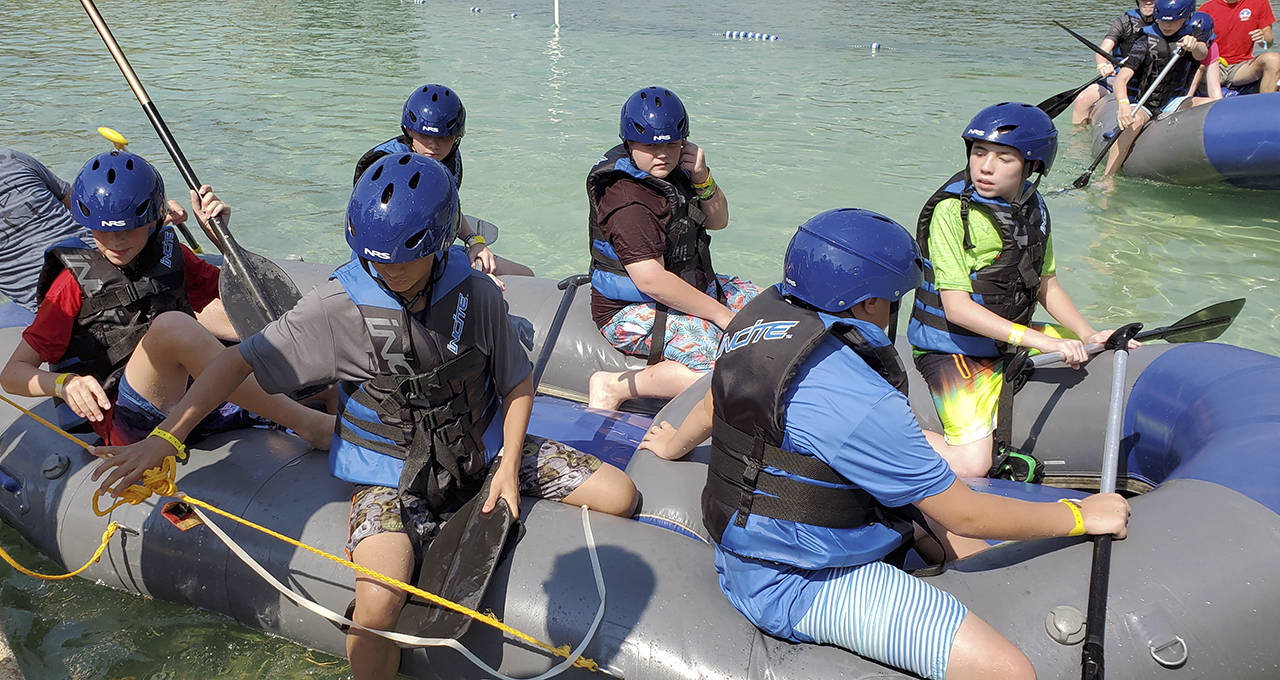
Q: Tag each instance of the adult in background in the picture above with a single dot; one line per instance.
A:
(33, 216)
(652, 200)
(1239, 26)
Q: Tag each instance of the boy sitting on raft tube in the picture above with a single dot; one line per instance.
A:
(1124, 30)
(402, 216)
(432, 123)
(807, 546)
(651, 201)
(117, 321)
(988, 259)
(1150, 54)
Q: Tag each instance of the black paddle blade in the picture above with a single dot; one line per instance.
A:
(1083, 180)
(458, 566)
(1055, 105)
(279, 290)
(1202, 326)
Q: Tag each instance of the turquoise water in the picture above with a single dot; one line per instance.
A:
(273, 101)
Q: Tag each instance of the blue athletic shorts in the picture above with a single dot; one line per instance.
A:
(885, 614)
(135, 417)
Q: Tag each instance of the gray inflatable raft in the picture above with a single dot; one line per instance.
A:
(1233, 141)
(1193, 590)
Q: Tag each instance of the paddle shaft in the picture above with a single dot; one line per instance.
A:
(1091, 656)
(1083, 180)
(191, 240)
(570, 286)
(1153, 334)
(230, 249)
(1087, 43)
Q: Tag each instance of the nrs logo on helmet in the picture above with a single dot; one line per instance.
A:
(114, 223)
(377, 253)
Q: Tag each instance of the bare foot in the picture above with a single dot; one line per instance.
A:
(607, 390)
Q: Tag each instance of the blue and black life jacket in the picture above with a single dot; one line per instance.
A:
(767, 503)
(118, 304)
(1134, 23)
(402, 144)
(1159, 51)
(1009, 286)
(419, 424)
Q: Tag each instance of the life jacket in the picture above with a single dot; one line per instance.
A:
(1008, 286)
(767, 503)
(118, 304)
(1134, 23)
(687, 242)
(402, 144)
(1160, 51)
(419, 424)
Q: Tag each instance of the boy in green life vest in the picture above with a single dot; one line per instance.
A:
(988, 259)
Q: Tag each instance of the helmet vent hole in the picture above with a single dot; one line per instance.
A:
(1004, 129)
(413, 116)
(413, 181)
(386, 194)
(639, 128)
(377, 172)
(435, 96)
(129, 164)
(447, 93)
(404, 159)
(414, 241)
(657, 101)
(111, 176)
(644, 95)
(84, 209)
(96, 163)
(142, 208)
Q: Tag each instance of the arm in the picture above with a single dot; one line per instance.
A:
(23, 376)
(1124, 113)
(516, 407)
(1194, 48)
(716, 206)
(655, 281)
(670, 443)
(962, 310)
(1213, 81)
(963, 511)
(1105, 67)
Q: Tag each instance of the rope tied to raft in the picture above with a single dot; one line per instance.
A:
(161, 481)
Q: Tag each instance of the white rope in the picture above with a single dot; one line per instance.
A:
(406, 640)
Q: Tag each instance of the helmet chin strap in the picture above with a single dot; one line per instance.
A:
(437, 270)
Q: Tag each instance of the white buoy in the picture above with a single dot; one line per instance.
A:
(875, 48)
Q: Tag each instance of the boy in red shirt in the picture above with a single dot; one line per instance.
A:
(1239, 26)
(117, 319)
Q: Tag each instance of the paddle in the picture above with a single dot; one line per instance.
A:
(1055, 105)
(461, 559)
(1201, 326)
(1091, 656)
(257, 290)
(1089, 44)
(1083, 180)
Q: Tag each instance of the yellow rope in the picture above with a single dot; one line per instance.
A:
(106, 536)
(161, 482)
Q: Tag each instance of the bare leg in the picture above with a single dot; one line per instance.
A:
(980, 653)
(663, 380)
(606, 490)
(1265, 69)
(966, 460)
(378, 605)
(177, 346)
(1083, 104)
(1120, 150)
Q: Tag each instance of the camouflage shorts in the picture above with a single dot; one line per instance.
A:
(548, 469)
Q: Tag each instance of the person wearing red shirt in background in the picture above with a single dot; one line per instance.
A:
(1239, 26)
(117, 317)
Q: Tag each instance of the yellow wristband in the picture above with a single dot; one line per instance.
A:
(474, 239)
(700, 186)
(1123, 101)
(1015, 334)
(1100, 67)
(1078, 529)
(59, 385)
(708, 192)
(181, 448)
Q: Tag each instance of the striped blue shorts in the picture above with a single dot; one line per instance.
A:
(885, 614)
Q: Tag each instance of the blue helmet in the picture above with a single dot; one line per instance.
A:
(1021, 126)
(1201, 26)
(654, 115)
(117, 191)
(842, 257)
(1173, 10)
(434, 110)
(403, 208)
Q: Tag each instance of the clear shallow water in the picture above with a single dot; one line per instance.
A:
(273, 101)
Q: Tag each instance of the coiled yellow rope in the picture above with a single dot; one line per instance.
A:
(161, 482)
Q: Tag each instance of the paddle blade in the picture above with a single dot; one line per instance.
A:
(278, 289)
(1083, 180)
(1055, 105)
(1205, 325)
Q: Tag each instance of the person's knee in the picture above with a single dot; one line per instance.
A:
(1270, 61)
(378, 606)
(171, 327)
(972, 459)
(607, 490)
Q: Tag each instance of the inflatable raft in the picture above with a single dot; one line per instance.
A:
(1193, 588)
(1233, 141)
